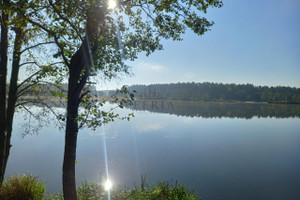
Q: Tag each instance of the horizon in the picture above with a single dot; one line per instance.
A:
(202, 83)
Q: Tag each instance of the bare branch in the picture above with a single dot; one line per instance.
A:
(147, 13)
(39, 44)
(37, 102)
(28, 63)
(55, 85)
(19, 93)
(30, 77)
(27, 110)
(39, 25)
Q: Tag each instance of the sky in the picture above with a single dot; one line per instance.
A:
(255, 42)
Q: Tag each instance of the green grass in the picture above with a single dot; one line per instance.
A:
(161, 191)
(28, 187)
(22, 187)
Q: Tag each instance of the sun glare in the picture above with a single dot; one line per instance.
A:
(112, 4)
(107, 185)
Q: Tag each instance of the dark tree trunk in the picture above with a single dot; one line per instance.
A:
(13, 88)
(7, 106)
(3, 75)
(77, 80)
(79, 70)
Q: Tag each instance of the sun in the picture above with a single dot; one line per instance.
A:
(112, 4)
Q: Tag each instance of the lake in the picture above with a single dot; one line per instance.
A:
(222, 150)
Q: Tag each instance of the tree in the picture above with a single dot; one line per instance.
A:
(86, 38)
(18, 40)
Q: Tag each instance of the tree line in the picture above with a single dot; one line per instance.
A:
(217, 92)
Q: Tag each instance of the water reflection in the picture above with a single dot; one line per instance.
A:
(245, 110)
(219, 155)
(218, 110)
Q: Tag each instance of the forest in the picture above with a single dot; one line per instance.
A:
(215, 92)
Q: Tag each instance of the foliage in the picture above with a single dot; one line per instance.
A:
(161, 191)
(218, 92)
(23, 51)
(22, 187)
(139, 25)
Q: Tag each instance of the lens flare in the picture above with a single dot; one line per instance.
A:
(112, 4)
(107, 185)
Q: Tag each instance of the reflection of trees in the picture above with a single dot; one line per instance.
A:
(212, 110)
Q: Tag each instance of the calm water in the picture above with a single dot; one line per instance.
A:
(241, 152)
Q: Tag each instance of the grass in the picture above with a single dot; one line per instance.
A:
(162, 191)
(28, 187)
(22, 187)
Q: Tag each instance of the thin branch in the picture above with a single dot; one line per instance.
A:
(30, 77)
(49, 107)
(37, 102)
(55, 85)
(27, 63)
(55, 38)
(65, 19)
(85, 120)
(36, 11)
(148, 14)
(82, 95)
(19, 93)
(27, 110)
(39, 25)
(62, 51)
(31, 47)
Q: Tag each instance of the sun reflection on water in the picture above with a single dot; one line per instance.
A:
(108, 185)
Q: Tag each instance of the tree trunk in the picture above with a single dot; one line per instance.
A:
(78, 74)
(3, 75)
(77, 80)
(13, 87)
(7, 107)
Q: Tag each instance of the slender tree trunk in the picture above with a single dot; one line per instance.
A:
(13, 88)
(3, 75)
(7, 108)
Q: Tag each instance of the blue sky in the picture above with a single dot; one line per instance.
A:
(255, 41)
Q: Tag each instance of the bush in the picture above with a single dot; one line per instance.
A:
(22, 187)
(163, 191)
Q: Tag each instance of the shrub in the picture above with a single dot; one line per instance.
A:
(163, 191)
(22, 187)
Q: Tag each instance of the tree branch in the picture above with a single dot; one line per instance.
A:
(31, 47)
(65, 19)
(30, 77)
(19, 93)
(27, 63)
(27, 110)
(62, 51)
